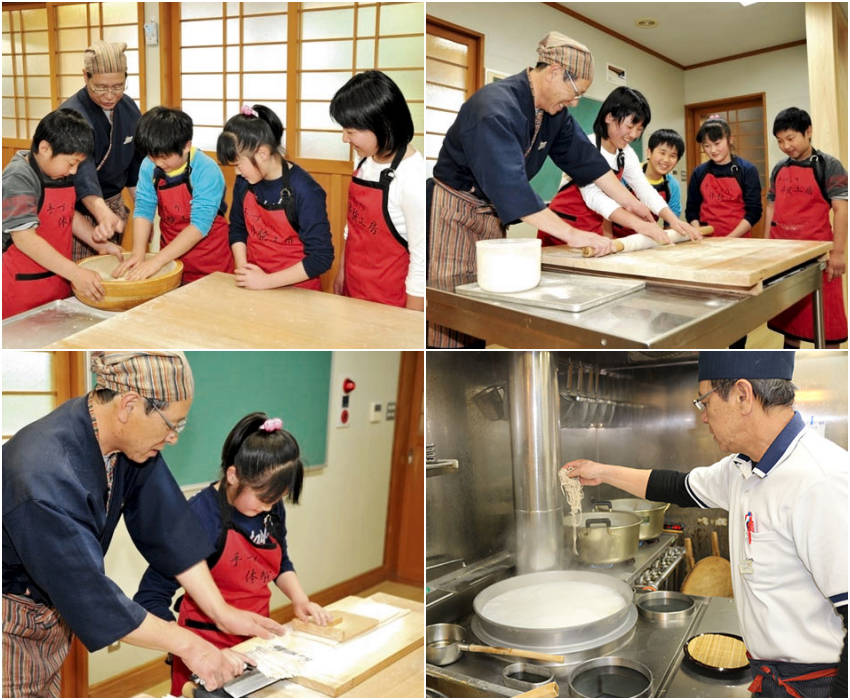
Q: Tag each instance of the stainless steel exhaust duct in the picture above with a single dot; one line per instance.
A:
(533, 400)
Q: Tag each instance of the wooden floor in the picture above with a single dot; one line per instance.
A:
(390, 587)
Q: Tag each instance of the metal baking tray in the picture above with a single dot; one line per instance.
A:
(562, 291)
(46, 324)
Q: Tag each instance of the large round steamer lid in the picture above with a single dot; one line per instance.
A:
(573, 641)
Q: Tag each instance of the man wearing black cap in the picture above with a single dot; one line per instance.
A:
(785, 488)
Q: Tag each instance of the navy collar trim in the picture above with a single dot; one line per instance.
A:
(778, 448)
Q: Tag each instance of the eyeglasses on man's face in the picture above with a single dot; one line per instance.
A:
(103, 89)
(172, 428)
(700, 401)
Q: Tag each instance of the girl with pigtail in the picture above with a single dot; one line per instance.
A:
(243, 515)
(279, 230)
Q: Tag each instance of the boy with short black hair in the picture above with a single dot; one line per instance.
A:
(39, 218)
(664, 150)
(804, 187)
(187, 187)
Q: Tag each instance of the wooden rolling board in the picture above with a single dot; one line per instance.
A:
(341, 668)
(734, 262)
(213, 313)
(350, 625)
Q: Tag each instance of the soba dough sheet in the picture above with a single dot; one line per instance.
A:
(555, 604)
(104, 267)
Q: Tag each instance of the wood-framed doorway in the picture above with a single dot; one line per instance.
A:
(748, 121)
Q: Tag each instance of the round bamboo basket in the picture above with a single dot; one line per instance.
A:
(123, 294)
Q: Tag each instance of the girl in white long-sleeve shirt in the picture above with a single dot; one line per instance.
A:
(621, 119)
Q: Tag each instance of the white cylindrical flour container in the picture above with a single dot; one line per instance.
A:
(508, 264)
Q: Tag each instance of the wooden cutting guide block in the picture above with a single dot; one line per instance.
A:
(347, 625)
(735, 262)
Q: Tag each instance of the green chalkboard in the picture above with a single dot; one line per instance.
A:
(294, 386)
(546, 182)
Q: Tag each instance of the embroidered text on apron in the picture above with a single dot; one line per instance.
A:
(273, 244)
(376, 256)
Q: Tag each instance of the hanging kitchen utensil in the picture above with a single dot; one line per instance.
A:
(491, 402)
(444, 644)
(565, 391)
(578, 414)
(607, 418)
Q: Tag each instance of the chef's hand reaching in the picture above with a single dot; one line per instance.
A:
(686, 230)
(589, 473)
(599, 244)
(304, 610)
(653, 231)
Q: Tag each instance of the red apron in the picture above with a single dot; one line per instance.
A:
(663, 189)
(800, 212)
(242, 573)
(570, 206)
(212, 252)
(722, 202)
(26, 284)
(376, 256)
(273, 244)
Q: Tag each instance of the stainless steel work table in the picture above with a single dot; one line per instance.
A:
(660, 316)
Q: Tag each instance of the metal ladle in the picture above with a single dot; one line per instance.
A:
(444, 644)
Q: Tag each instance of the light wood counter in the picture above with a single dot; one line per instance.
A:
(213, 313)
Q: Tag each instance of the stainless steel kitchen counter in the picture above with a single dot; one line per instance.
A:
(660, 648)
(660, 316)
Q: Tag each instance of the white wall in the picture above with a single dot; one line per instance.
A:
(337, 530)
(782, 75)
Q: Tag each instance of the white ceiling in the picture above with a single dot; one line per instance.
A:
(693, 32)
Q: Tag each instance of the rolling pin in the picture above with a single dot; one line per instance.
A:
(638, 241)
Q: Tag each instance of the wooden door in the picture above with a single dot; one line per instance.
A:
(404, 554)
(454, 69)
(746, 117)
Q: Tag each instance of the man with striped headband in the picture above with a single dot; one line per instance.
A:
(113, 115)
(498, 142)
(67, 480)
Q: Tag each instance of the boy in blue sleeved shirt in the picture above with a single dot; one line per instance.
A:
(188, 188)
(664, 150)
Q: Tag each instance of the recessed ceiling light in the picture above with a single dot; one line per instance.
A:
(646, 23)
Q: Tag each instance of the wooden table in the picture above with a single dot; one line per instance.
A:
(213, 313)
(401, 676)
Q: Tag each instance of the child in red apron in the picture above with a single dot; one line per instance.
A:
(725, 191)
(803, 189)
(39, 218)
(665, 149)
(187, 188)
(279, 230)
(621, 119)
(383, 258)
(244, 516)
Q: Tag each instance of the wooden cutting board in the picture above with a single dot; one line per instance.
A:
(347, 625)
(735, 262)
(347, 665)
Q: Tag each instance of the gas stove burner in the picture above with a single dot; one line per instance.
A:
(600, 566)
(619, 565)
(645, 543)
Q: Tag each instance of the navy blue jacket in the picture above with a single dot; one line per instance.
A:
(484, 148)
(56, 528)
(121, 168)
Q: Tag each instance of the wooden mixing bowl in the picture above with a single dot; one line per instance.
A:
(122, 294)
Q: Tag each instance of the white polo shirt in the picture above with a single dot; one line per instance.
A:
(791, 576)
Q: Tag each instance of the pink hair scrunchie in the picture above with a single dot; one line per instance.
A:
(272, 424)
(249, 111)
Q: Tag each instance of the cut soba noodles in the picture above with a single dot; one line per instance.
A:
(573, 493)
